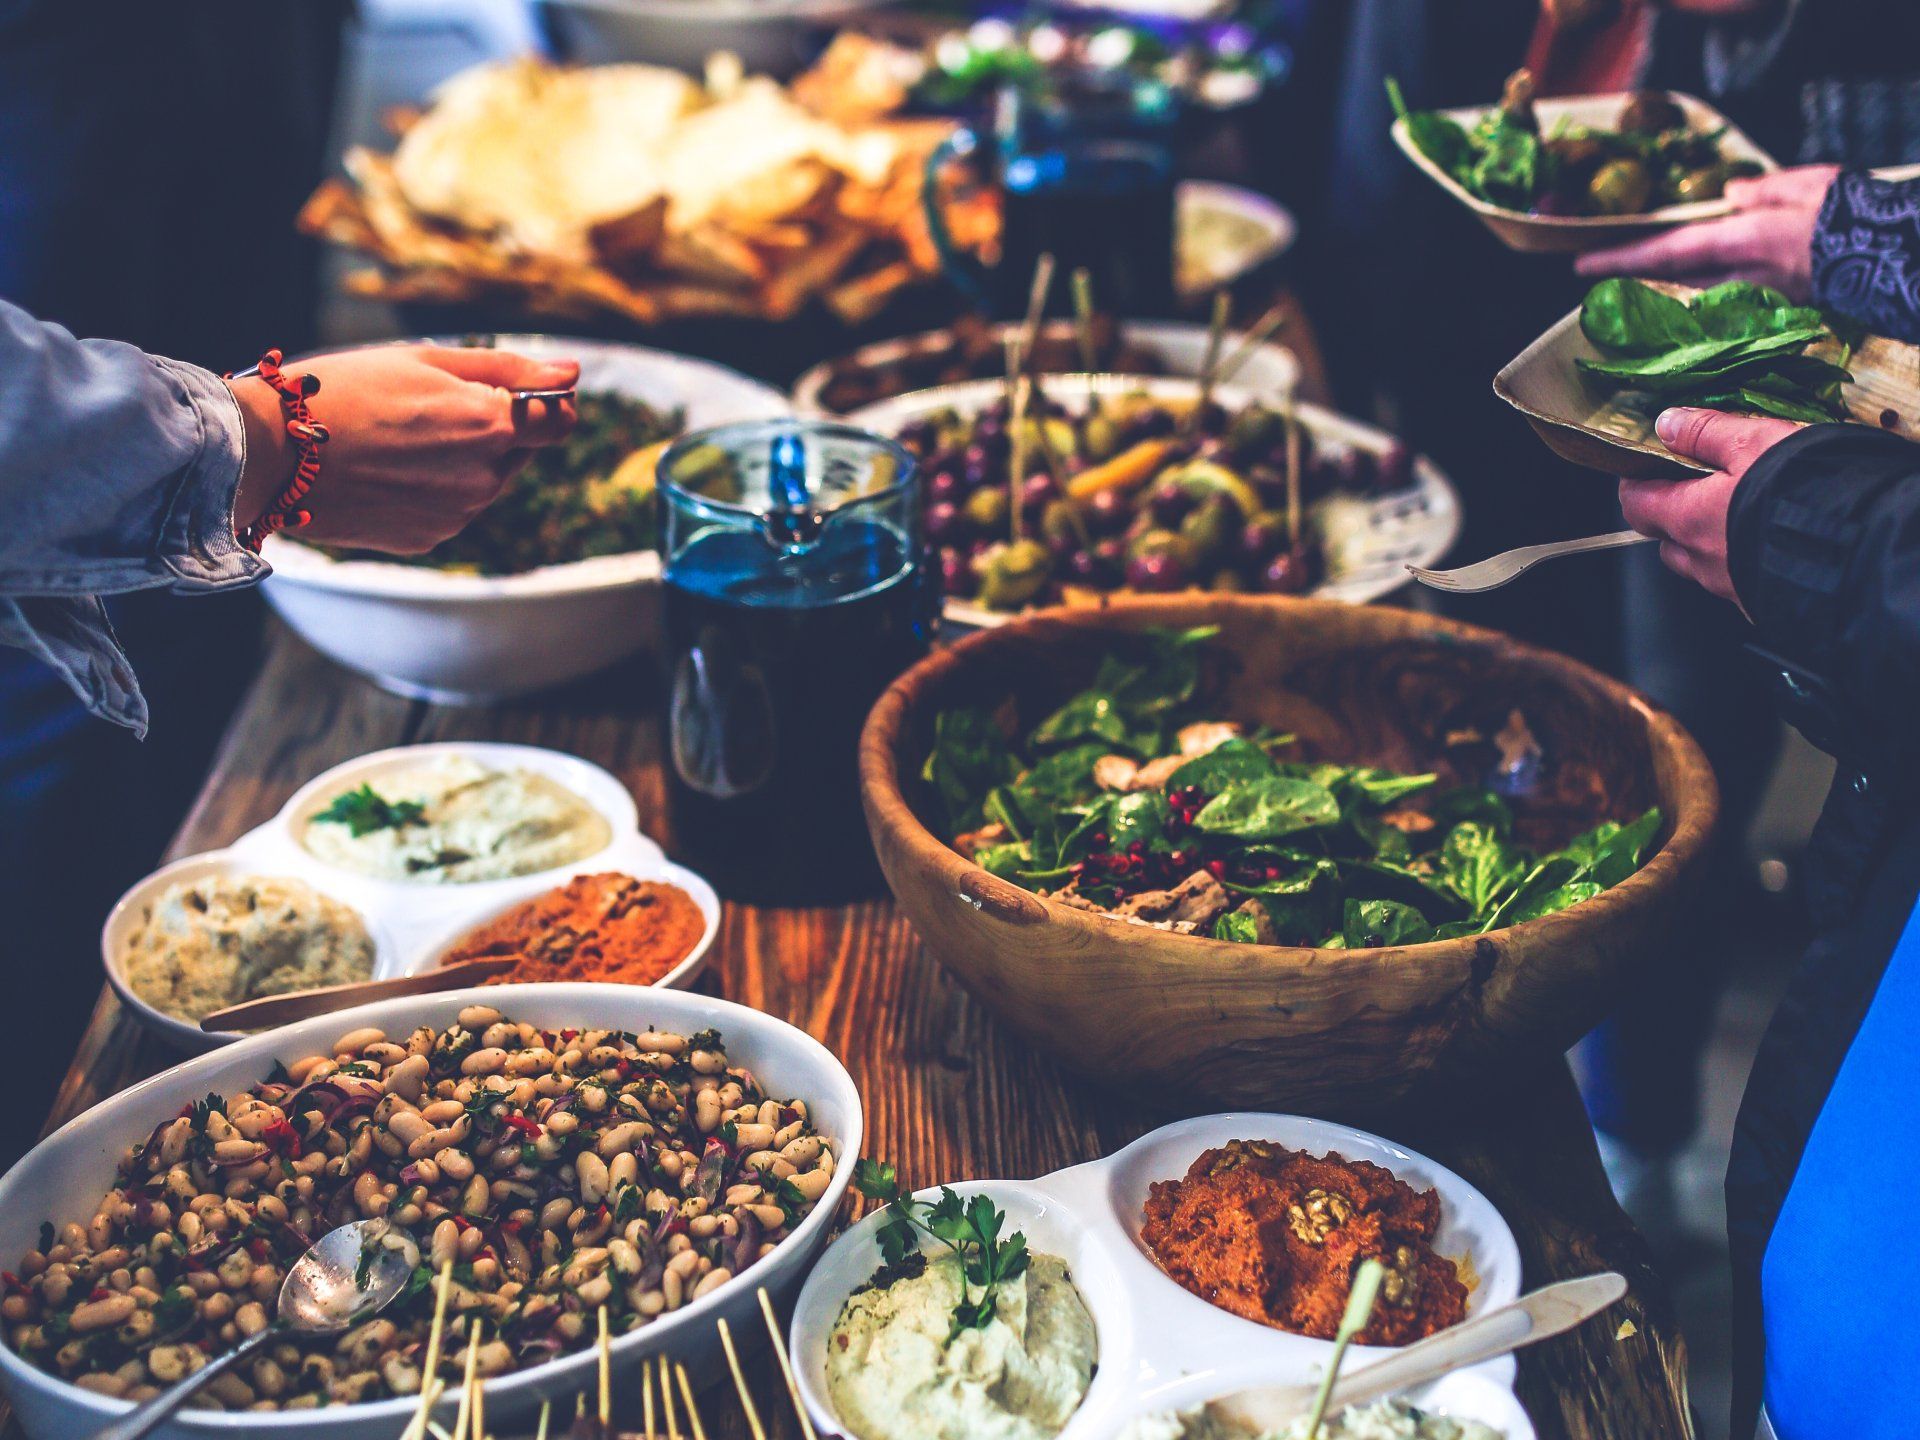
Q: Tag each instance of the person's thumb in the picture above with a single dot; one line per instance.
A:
(1718, 440)
(503, 368)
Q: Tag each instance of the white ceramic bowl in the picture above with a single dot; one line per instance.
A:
(1224, 232)
(412, 925)
(64, 1177)
(456, 638)
(1378, 537)
(1161, 1346)
(771, 37)
(1270, 372)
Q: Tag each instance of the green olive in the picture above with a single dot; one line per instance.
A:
(986, 509)
(1157, 541)
(1620, 187)
(1256, 428)
(1210, 527)
(1099, 436)
(1706, 183)
(1059, 524)
(1011, 575)
(1651, 112)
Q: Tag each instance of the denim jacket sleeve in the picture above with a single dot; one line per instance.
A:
(117, 473)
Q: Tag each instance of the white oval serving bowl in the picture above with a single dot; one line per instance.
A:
(1416, 526)
(457, 638)
(413, 925)
(1161, 1346)
(1270, 371)
(64, 1177)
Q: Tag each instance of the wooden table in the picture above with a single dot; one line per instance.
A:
(950, 1093)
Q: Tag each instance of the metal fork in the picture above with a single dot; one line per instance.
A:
(1510, 565)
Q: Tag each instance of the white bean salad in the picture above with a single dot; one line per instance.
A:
(561, 1171)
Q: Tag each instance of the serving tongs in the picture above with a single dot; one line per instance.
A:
(1546, 1312)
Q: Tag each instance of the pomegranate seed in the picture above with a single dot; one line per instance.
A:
(1217, 869)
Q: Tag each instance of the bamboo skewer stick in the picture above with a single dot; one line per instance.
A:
(780, 1349)
(1209, 367)
(666, 1395)
(740, 1382)
(1083, 319)
(1295, 518)
(646, 1401)
(464, 1416)
(431, 1386)
(1016, 434)
(546, 1418)
(605, 1349)
(1263, 330)
(693, 1410)
(1036, 304)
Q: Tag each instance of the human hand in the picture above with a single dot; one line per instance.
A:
(1689, 517)
(422, 438)
(1767, 240)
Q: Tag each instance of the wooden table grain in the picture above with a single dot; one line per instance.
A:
(950, 1094)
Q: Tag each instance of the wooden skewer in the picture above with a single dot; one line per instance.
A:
(420, 1425)
(1083, 319)
(479, 1408)
(740, 1381)
(780, 1345)
(546, 1418)
(693, 1410)
(1209, 367)
(1016, 433)
(464, 1417)
(1366, 1288)
(605, 1348)
(1264, 329)
(1036, 304)
(666, 1395)
(646, 1401)
(430, 1385)
(1295, 517)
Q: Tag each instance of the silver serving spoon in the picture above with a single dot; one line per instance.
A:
(349, 1275)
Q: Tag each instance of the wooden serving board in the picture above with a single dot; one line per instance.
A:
(1615, 434)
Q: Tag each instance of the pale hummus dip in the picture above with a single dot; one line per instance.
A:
(209, 943)
(1382, 1420)
(463, 823)
(893, 1374)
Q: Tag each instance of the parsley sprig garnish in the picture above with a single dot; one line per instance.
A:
(970, 1228)
(366, 810)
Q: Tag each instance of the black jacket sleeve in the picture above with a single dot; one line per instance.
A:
(1823, 545)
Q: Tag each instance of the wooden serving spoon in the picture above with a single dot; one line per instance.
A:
(273, 1010)
(1547, 1311)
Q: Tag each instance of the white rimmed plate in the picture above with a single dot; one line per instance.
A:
(64, 1177)
(1160, 1346)
(1223, 233)
(444, 636)
(1378, 536)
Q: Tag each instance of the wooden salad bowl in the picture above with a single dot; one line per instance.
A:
(1195, 1020)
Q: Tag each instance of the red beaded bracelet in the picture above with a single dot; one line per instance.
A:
(286, 512)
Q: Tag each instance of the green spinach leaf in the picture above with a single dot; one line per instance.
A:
(1267, 808)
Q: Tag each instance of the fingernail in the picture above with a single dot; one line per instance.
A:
(1667, 426)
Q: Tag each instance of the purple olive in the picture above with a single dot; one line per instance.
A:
(1112, 555)
(1156, 571)
(956, 572)
(1287, 574)
(1085, 567)
(1356, 469)
(1262, 538)
(1169, 503)
(976, 463)
(1108, 512)
(1038, 491)
(947, 486)
(1393, 470)
(945, 521)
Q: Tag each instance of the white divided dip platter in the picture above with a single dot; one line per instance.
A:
(412, 924)
(1162, 1347)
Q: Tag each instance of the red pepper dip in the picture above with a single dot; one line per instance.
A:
(595, 927)
(1275, 1235)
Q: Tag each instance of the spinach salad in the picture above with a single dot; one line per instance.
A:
(1132, 799)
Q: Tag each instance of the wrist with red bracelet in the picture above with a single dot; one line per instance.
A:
(287, 510)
